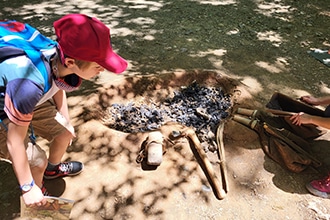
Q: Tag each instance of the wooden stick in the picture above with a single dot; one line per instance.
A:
(214, 180)
(280, 112)
(221, 155)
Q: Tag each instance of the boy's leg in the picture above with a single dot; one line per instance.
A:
(49, 124)
(38, 162)
(58, 147)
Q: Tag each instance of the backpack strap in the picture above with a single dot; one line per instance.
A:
(32, 135)
(21, 39)
(9, 52)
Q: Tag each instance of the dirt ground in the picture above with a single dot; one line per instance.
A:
(178, 189)
(114, 186)
(250, 48)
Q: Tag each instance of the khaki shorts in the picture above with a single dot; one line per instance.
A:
(45, 124)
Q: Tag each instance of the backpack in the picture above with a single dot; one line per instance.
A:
(278, 143)
(287, 144)
(18, 39)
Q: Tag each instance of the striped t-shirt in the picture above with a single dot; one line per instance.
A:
(23, 88)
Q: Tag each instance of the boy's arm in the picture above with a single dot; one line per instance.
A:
(62, 106)
(15, 143)
(61, 103)
(316, 101)
(320, 121)
(324, 100)
(303, 118)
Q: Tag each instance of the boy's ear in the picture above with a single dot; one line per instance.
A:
(69, 62)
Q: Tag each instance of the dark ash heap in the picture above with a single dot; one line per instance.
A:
(194, 106)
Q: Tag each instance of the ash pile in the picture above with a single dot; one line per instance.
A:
(194, 106)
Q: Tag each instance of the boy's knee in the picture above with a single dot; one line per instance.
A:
(64, 139)
(39, 164)
(65, 135)
(36, 156)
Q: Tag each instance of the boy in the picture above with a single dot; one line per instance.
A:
(319, 187)
(83, 51)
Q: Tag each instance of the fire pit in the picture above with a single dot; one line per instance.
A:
(194, 106)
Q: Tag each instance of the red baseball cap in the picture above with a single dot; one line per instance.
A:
(86, 38)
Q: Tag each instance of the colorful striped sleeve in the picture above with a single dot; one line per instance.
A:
(24, 88)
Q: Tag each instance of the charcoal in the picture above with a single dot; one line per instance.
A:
(195, 106)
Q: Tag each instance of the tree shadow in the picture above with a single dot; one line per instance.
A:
(9, 192)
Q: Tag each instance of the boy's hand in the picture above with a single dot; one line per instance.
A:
(309, 100)
(34, 197)
(300, 118)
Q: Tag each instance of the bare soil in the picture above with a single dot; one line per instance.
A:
(114, 186)
(249, 48)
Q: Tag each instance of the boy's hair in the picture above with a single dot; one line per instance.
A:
(82, 64)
